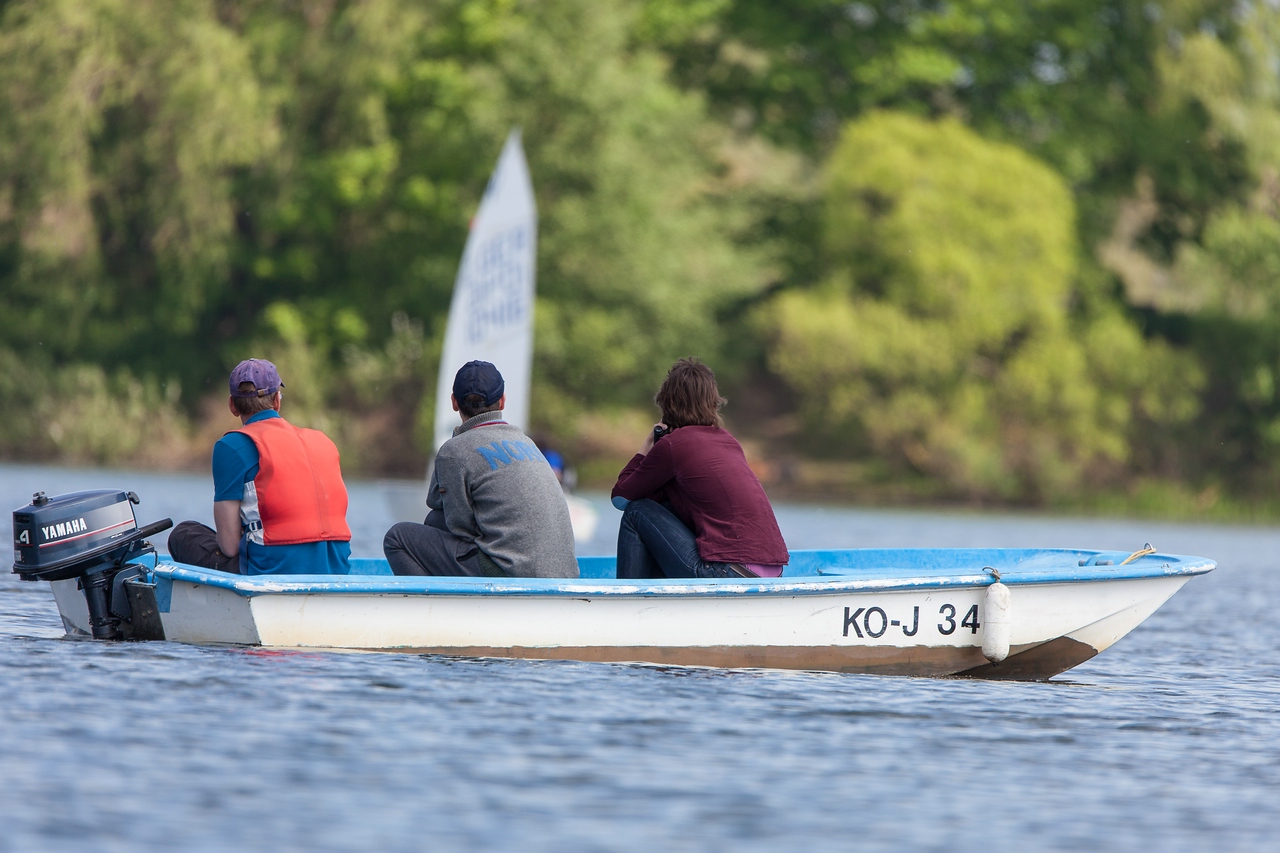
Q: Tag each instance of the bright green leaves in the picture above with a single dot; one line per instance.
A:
(123, 122)
(952, 204)
(1235, 269)
(635, 229)
(944, 343)
(673, 22)
(957, 228)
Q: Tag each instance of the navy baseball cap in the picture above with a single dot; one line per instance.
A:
(259, 371)
(479, 377)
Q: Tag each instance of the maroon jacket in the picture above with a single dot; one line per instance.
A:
(703, 472)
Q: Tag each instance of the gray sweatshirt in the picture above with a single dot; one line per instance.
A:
(496, 489)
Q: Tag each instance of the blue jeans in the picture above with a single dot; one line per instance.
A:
(653, 543)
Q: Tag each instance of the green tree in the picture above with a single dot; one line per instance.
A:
(943, 341)
(121, 125)
(182, 181)
(1077, 82)
(1209, 282)
(397, 118)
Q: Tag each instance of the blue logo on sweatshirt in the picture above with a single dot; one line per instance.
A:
(499, 453)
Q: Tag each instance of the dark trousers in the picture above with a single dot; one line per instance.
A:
(430, 549)
(196, 544)
(654, 543)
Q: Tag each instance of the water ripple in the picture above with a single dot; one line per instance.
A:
(1170, 740)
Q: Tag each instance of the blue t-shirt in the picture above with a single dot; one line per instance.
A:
(235, 462)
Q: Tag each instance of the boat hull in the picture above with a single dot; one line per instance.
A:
(932, 628)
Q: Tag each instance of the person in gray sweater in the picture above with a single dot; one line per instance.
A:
(496, 507)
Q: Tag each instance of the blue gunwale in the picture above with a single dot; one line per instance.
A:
(817, 572)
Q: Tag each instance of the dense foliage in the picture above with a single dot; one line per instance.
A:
(942, 339)
(990, 250)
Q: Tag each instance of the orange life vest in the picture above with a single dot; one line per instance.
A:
(300, 493)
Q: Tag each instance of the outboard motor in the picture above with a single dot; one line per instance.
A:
(91, 536)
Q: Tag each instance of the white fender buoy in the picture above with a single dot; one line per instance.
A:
(996, 624)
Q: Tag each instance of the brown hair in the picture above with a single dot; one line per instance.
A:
(689, 396)
(473, 404)
(249, 406)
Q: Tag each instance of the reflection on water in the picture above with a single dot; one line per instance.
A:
(1169, 740)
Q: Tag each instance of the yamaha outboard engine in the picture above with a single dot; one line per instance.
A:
(91, 536)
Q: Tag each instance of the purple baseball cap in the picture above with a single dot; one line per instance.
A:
(259, 371)
(479, 377)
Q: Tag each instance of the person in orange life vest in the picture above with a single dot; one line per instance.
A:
(279, 504)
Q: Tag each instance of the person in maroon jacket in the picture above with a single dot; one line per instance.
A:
(691, 507)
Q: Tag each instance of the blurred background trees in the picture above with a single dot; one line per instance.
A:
(1016, 252)
(944, 340)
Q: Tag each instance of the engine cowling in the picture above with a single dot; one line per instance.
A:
(88, 535)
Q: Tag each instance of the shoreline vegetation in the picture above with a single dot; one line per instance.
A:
(955, 255)
(185, 448)
(1161, 502)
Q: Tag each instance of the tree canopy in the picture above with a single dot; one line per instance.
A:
(997, 251)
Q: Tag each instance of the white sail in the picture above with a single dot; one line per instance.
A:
(491, 317)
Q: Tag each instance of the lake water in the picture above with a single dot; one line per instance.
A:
(1170, 740)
